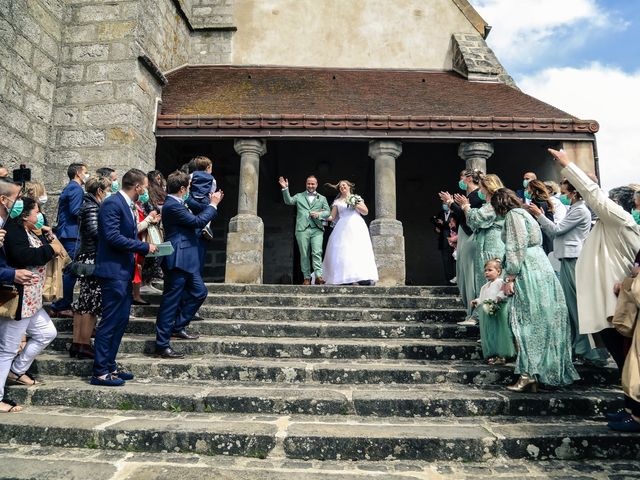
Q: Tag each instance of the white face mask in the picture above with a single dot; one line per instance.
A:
(86, 177)
(42, 200)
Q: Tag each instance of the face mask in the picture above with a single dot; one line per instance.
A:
(16, 209)
(39, 222)
(86, 177)
(115, 186)
(106, 195)
(525, 183)
(565, 200)
(43, 200)
(527, 194)
(636, 215)
(185, 197)
(144, 198)
(481, 196)
(445, 207)
(462, 185)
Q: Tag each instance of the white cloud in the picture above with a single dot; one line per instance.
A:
(526, 32)
(606, 94)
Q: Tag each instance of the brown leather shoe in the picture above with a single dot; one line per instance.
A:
(320, 281)
(306, 282)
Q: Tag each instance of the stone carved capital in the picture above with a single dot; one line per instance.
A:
(250, 145)
(475, 154)
(379, 148)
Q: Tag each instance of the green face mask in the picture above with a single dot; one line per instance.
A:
(185, 197)
(462, 185)
(481, 196)
(115, 186)
(39, 222)
(525, 183)
(16, 208)
(144, 198)
(636, 215)
(565, 200)
(527, 194)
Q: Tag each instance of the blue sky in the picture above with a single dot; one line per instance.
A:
(582, 56)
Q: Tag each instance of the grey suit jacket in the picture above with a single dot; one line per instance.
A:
(568, 235)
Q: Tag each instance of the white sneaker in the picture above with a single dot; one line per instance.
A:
(150, 289)
(454, 280)
(468, 322)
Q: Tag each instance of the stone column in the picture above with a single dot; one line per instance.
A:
(386, 231)
(475, 154)
(246, 231)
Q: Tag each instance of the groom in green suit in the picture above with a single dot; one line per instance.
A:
(311, 208)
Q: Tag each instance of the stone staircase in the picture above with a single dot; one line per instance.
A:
(317, 373)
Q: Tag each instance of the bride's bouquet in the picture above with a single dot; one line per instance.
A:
(353, 200)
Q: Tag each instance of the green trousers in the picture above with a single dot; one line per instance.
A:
(310, 241)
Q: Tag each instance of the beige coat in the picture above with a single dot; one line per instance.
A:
(626, 322)
(607, 255)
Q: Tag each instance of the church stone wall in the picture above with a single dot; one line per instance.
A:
(339, 33)
(30, 37)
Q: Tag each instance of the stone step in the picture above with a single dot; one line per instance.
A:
(298, 370)
(244, 289)
(27, 462)
(343, 437)
(278, 329)
(327, 301)
(334, 348)
(281, 399)
(217, 312)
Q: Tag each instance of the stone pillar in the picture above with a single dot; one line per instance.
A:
(475, 154)
(386, 231)
(246, 231)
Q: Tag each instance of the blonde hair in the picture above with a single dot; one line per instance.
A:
(34, 190)
(553, 186)
(351, 185)
(491, 183)
(496, 262)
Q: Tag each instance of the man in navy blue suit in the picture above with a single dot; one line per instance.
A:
(117, 242)
(184, 290)
(67, 232)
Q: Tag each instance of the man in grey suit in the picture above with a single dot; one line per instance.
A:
(311, 209)
(568, 237)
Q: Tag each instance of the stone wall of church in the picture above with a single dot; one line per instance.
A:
(30, 37)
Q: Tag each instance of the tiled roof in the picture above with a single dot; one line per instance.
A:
(287, 98)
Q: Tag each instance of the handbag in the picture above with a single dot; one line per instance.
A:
(53, 274)
(9, 300)
(79, 269)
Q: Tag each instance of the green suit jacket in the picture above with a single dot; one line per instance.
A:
(303, 209)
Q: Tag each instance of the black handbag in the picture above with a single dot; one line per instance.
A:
(79, 269)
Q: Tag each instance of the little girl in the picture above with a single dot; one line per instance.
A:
(495, 332)
(453, 238)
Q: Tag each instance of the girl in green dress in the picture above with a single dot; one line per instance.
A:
(538, 314)
(493, 310)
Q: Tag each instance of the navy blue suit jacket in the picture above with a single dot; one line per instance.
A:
(7, 274)
(68, 208)
(180, 229)
(117, 240)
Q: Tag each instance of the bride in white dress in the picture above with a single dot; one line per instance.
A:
(349, 255)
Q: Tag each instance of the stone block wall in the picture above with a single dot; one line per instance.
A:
(211, 13)
(473, 59)
(30, 38)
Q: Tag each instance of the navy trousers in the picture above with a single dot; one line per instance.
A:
(68, 280)
(182, 296)
(116, 308)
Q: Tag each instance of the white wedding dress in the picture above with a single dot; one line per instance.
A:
(349, 256)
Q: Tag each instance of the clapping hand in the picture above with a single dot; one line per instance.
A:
(445, 197)
(460, 199)
(216, 197)
(284, 183)
(533, 210)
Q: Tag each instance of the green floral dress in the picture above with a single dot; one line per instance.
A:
(488, 237)
(539, 317)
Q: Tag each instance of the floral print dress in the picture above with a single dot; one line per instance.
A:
(32, 296)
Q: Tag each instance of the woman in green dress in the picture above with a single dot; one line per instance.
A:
(539, 317)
